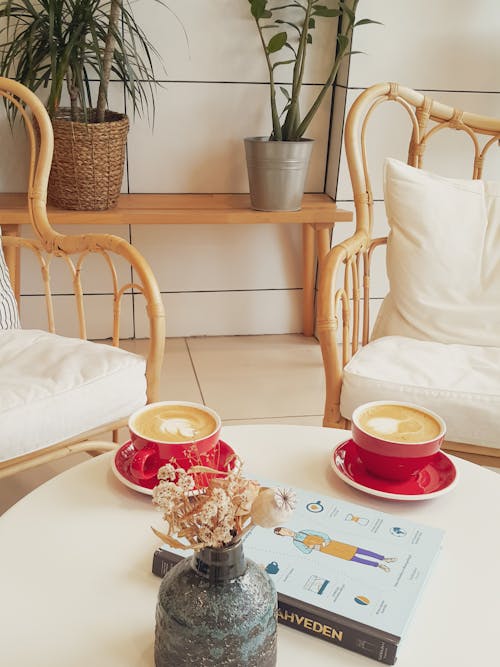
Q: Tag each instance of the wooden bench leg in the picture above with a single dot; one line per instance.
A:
(308, 267)
(315, 244)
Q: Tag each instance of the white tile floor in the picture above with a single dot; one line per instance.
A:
(244, 378)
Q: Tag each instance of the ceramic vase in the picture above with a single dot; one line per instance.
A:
(216, 608)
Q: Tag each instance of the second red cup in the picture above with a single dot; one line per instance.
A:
(396, 439)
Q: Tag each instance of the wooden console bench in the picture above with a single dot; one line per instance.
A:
(318, 215)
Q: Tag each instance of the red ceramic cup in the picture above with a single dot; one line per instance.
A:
(171, 431)
(385, 458)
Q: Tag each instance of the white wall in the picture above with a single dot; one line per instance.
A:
(240, 279)
(218, 279)
(449, 50)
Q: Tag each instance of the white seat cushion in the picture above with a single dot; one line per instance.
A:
(461, 383)
(53, 388)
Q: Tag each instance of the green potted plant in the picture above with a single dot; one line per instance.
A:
(55, 44)
(277, 165)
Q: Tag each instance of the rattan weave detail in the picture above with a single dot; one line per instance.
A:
(87, 168)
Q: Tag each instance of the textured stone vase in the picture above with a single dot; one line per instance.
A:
(216, 608)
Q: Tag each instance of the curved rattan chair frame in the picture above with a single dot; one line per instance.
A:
(344, 312)
(72, 250)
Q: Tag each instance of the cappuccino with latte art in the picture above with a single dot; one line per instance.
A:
(174, 432)
(174, 423)
(394, 439)
(398, 423)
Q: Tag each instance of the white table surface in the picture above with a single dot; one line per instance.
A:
(76, 587)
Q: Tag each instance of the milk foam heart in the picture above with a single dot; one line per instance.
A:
(175, 423)
(398, 423)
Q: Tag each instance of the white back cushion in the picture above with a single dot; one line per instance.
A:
(9, 315)
(443, 258)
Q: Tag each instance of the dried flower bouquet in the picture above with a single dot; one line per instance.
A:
(219, 514)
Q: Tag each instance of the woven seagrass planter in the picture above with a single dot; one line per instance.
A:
(87, 168)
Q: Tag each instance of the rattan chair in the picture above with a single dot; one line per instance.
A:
(343, 308)
(48, 249)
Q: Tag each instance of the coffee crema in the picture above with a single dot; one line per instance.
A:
(174, 423)
(398, 423)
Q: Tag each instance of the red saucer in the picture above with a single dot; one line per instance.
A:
(436, 478)
(120, 464)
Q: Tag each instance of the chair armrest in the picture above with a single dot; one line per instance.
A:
(341, 265)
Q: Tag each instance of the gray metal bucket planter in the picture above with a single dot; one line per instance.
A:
(277, 172)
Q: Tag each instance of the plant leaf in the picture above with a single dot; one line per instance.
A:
(292, 25)
(285, 92)
(347, 10)
(283, 62)
(258, 8)
(343, 41)
(366, 21)
(322, 10)
(171, 541)
(277, 42)
(294, 5)
(44, 41)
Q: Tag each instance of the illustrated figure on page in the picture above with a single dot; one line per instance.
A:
(310, 540)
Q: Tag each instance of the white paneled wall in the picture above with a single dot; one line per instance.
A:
(197, 145)
(447, 49)
(219, 279)
(241, 279)
(214, 279)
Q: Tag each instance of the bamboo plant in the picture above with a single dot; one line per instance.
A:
(292, 26)
(50, 43)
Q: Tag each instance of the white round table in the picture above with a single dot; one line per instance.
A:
(76, 587)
